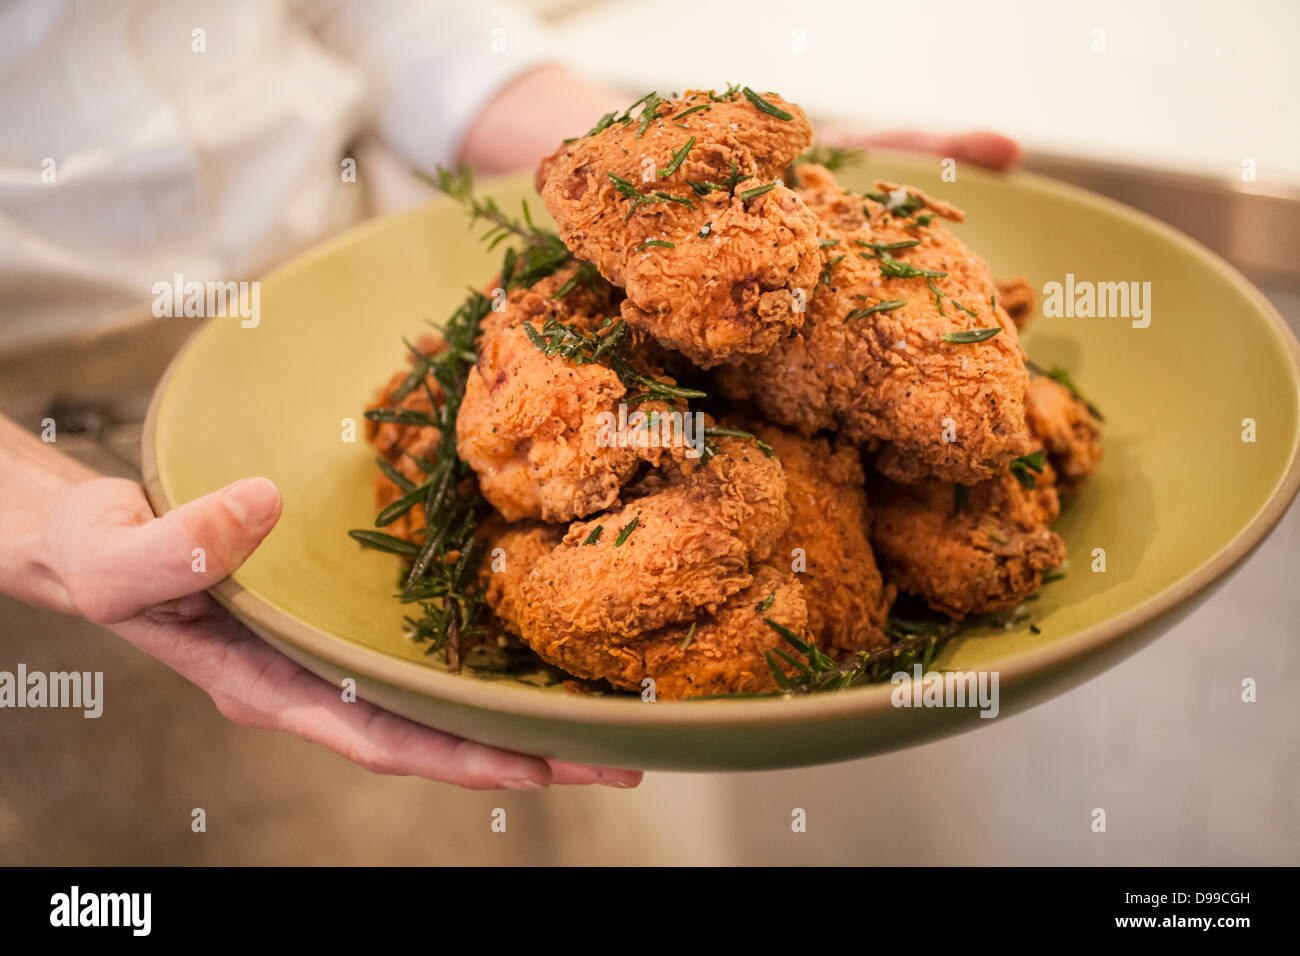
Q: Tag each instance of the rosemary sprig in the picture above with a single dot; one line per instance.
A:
(872, 309)
(896, 269)
(693, 109)
(543, 251)
(817, 672)
(628, 190)
(678, 157)
(626, 532)
(765, 106)
(970, 336)
(748, 194)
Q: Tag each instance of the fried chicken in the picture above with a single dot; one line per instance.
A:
(683, 541)
(870, 361)
(827, 541)
(990, 555)
(683, 212)
(530, 424)
(1066, 429)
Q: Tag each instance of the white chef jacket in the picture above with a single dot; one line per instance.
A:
(144, 138)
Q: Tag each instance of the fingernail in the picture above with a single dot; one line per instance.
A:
(522, 785)
(620, 784)
(253, 501)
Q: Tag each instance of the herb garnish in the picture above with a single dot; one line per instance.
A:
(765, 106)
(690, 636)
(872, 309)
(970, 336)
(757, 191)
(627, 530)
(693, 109)
(896, 269)
(677, 159)
(640, 199)
(656, 242)
(1024, 467)
(594, 537)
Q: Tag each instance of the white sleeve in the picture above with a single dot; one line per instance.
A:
(431, 65)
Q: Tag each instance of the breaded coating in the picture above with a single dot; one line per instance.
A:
(1067, 431)
(870, 360)
(848, 601)
(718, 652)
(521, 545)
(715, 257)
(530, 423)
(683, 543)
(989, 556)
(403, 445)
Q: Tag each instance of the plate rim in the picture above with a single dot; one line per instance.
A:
(625, 712)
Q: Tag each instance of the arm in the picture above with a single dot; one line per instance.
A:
(82, 544)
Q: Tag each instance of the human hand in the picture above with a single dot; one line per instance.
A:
(131, 572)
(982, 148)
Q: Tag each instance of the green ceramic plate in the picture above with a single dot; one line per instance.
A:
(1179, 500)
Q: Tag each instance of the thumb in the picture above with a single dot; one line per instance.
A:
(119, 560)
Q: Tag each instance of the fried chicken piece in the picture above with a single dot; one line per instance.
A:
(718, 652)
(684, 213)
(521, 545)
(530, 424)
(988, 556)
(683, 543)
(1066, 429)
(403, 446)
(848, 601)
(870, 361)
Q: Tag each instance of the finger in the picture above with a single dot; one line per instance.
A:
(134, 561)
(254, 685)
(575, 773)
(983, 148)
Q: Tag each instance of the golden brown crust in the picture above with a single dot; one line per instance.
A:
(698, 529)
(716, 293)
(530, 424)
(1066, 430)
(936, 409)
(989, 556)
(848, 601)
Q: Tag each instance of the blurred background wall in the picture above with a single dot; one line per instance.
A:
(1162, 115)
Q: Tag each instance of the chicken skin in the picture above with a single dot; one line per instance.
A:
(988, 556)
(685, 213)
(721, 651)
(530, 423)
(848, 601)
(682, 542)
(988, 552)
(1066, 429)
(871, 362)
